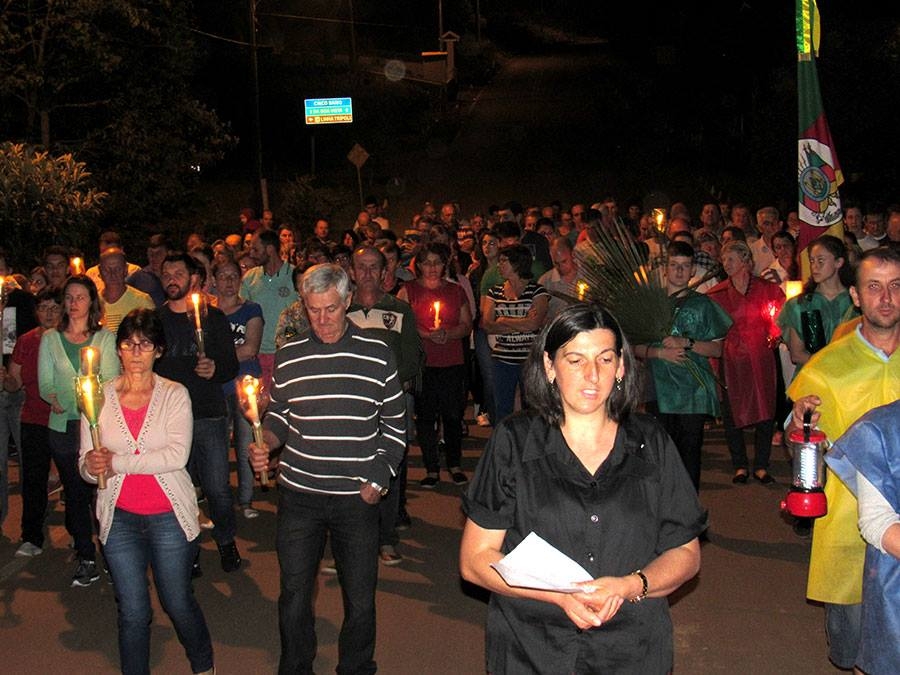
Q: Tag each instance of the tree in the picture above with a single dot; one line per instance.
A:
(45, 200)
(56, 54)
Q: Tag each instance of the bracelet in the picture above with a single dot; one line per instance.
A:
(690, 344)
(644, 588)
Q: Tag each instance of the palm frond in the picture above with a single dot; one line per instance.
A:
(619, 277)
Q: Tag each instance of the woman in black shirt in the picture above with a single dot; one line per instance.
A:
(600, 483)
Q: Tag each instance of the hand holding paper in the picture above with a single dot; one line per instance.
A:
(536, 564)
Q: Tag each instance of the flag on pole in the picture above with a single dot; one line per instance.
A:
(819, 173)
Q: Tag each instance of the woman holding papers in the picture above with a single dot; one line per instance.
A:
(602, 485)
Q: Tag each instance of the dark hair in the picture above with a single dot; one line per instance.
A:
(353, 235)
(269, 238)
(440, 250)
(159, 241)
(680, 249)
(737, 234)
(144, 322)
(573, 320)
(95, 312)
(192, 264)
(508, 228)
(838, 249)
(46, 294)
(888, 254)
(55, 249)
(519, 257)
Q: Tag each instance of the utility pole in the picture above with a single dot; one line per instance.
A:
(257, 124)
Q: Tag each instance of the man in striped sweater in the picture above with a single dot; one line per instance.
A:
(338, 414)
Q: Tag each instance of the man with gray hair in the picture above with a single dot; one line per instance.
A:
(337, 408)
(768, 222)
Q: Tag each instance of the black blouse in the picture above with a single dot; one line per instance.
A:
(639, 504)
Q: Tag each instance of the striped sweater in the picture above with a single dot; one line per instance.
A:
(340, 412)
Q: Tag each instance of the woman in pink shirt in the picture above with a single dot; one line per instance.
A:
(148, 510)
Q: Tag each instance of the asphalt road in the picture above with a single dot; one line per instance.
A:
(574, 125)
(745, 612)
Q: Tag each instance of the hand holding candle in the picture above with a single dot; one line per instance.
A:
(89, 395)
(249, 394)
(196, 308)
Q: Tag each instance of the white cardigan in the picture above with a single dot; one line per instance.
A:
(164, 443)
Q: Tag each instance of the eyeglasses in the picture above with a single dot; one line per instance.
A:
(130, 346)
(50, 309)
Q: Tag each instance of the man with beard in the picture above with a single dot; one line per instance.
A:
(203, 375)
(839, 384)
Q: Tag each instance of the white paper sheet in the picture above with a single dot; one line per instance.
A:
(536, 564)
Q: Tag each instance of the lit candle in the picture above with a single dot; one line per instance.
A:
(793, 288)
(77, 266)
(437, 314)
(582, 289)
(87, 361)
(195, 298)
(659, 216)
(248, 392)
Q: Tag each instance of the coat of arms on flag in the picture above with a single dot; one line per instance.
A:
(819, 202)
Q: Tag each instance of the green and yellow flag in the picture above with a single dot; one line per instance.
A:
(819, 173)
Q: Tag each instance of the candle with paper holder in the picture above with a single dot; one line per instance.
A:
(89, 394)
(252, 399)
(437, 314)
(196, 310)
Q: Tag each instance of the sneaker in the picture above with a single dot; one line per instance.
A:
(85, 573)
(231, 559)
(28, 550)
(483, 420)
(404, 522)
(250, 512)
(458, 478)
(327, 567)
(389, 556)
(429, 482)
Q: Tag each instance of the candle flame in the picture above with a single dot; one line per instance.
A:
(792, 289)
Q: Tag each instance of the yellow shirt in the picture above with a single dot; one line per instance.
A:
(114, 312)
(851, 377)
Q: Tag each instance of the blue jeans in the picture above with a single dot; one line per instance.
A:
(79, 494)
(209, 455)
(486, 366)
(242, 434)
(843, 628)
(507, 378)
(304, 519)
(134, 543)
(10, 412)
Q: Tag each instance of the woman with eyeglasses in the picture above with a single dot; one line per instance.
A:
(148, 511)
(59, 362)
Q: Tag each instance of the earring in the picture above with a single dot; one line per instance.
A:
(618, 384)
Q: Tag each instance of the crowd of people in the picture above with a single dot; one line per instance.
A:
(367, 339)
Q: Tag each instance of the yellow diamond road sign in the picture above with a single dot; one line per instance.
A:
(358, 155)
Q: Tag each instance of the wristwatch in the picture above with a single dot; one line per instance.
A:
(381, 490)
(690, 344)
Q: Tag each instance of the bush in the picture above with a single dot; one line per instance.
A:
(45, 200)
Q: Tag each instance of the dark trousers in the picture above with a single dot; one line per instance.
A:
(442, 391)
(79, 494)
(389, 509)
(686, 432)
(734, 437)
(34, 457)
(304, 520)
